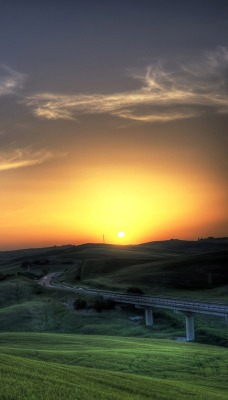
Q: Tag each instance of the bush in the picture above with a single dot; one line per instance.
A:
(205, 337)
(79, 304)
(135, 290)
(39, 291)
(5, 276)
(104, 304)
(89, 330)
(25, 264)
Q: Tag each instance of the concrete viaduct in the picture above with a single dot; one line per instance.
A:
(186, 307)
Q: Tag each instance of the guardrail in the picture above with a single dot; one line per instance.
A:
(150, 301)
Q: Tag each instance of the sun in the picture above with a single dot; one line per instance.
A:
(121, 235)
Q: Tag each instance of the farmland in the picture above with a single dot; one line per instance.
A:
(59, 366)
(50, 350)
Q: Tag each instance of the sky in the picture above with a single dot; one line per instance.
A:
(113, 118)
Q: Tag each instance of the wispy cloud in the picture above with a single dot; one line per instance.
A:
(19, 158)
(157, 117)
(10, 80)
(166, 94)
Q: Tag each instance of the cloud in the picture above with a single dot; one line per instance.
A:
(19, 158)
(156, 117)
(10, 80)
(167, 94)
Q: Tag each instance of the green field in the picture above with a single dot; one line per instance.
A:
(50, 351)
(70, 367)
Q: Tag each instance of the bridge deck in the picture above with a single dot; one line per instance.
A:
(158, 302)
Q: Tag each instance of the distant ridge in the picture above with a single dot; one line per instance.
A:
(209, 239)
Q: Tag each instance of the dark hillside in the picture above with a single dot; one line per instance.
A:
(171, 266)
(154, 266)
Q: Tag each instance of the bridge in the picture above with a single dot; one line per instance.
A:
(186, 307)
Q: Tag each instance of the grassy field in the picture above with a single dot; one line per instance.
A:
(53, 352)
(70, 367)
(25, 306)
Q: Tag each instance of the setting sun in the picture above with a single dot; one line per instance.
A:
(121, 235)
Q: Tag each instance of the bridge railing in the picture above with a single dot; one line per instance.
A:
(153, 300)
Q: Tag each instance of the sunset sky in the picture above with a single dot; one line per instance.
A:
(113, 118)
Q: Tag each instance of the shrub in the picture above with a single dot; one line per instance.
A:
(134, 290)
(5, 276)
(104, 304)
(89, 330)
(80, 304)
(25, 264)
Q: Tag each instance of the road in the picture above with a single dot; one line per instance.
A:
(46, 280)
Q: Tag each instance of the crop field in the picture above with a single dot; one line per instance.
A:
(73, 367)
(51, 351)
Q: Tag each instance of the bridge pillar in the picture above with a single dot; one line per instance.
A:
(149, 317)
(190, 331)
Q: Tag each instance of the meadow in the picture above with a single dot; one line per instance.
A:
(59, 366)
(50, 350)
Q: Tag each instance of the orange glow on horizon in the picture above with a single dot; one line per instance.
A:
(145, 207)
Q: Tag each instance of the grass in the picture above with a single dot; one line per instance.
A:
(88, 363)
(25, 306)
(156, 267)
(194, 269)
(70, 367)
(189, 273)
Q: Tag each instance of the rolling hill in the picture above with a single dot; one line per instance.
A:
(72, 367)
